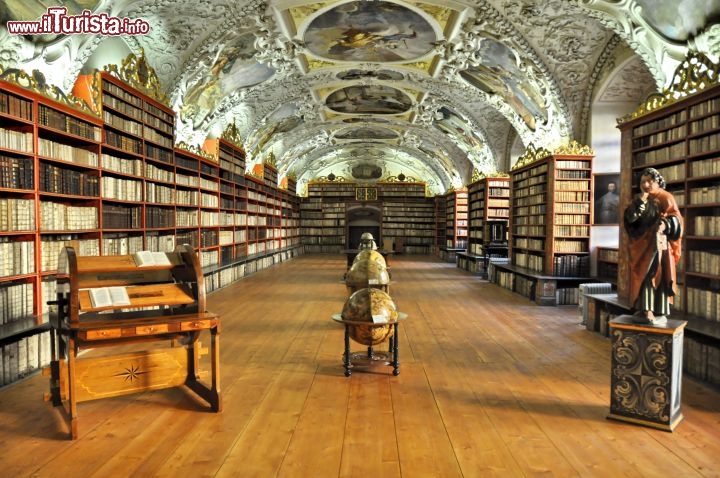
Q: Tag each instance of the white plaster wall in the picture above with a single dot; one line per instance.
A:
(605, 141)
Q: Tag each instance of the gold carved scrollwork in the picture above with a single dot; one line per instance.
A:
(575, 149)
(232, 134)
(196, 150)
(270, 160)
(136, 72)
(531, 155)
(36, 82)
(694, 74)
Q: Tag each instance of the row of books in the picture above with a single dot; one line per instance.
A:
(708, 226)
(50, 248)
(17, 258)
(63, 122)
(661, 137)
(662, 123)
(15, 106)
(16, 301)
(67, 153)
(703, 262)
(17, 140)
(26, 356)
(62, 217)
(58, 180)
(17, 214)
(570, 245)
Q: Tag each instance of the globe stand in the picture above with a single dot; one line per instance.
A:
(371, 357)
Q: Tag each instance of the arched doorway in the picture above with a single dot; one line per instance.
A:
(362, 218)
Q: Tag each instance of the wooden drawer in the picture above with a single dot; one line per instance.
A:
(103, 334)
(196, 325)
(151, 329)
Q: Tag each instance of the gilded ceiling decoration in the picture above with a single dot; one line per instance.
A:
(433, 90)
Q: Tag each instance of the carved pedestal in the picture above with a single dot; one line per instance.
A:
(646, 374)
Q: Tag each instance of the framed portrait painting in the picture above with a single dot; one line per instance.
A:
(607, 198)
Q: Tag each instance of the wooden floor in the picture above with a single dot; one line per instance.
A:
(490, 385)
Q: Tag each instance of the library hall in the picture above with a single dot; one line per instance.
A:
(358, 238)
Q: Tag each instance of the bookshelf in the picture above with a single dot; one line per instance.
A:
(440, 218)
(488, 215)
(408, 217)
(550, 217)
(113, 183)
(676, 132)
(456, 224)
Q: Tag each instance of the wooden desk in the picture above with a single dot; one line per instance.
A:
(167, 304)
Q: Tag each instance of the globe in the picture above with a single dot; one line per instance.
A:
(371, 306)
(367, 273)
(369, 254)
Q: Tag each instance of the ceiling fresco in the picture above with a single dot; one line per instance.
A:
(362, 31)
(370, 89)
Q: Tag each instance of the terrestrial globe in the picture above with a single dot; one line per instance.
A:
(371, 306)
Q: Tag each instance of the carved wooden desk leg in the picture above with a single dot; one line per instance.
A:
(395, 350)
(215, 367)
(72, 396)
(346, 355)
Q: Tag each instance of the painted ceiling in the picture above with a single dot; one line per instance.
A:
(374, 89)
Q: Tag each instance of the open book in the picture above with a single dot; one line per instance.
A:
(151, 258)
(109, 296)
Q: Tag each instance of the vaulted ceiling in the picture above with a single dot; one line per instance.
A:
(372, 89)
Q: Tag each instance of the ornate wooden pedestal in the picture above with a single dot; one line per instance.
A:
(646, 377)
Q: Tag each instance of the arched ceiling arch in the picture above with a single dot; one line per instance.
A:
(427, 88)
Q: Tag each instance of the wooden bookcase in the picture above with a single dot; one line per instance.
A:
(113, 183)
(681, 139)
(489, 213)
(408, 217)
(440, 220)
(456, 224)
(322, 216)
(550, 217)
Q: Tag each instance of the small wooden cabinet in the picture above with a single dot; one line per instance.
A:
(166, 304)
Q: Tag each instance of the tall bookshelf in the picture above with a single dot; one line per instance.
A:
(408, 217)
(456, 219)
(677, 132)
(550, 217)
(322, 216)
(488, 216)
(489, 207)
(112, 182)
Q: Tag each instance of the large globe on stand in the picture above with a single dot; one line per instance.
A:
(368, 273)
(371, 306)
(368, 254)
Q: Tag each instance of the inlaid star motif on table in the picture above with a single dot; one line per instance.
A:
(131, 373)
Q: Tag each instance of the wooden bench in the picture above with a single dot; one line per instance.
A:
(167, 306)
